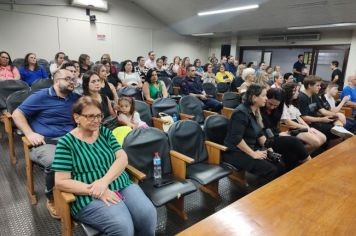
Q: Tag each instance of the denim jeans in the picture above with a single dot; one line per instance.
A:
(135, 215)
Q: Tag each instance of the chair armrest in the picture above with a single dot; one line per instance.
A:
(62, 202)
(26, 142)
(148, 102)
(7, 121)
(135, 174)
(157, 123)
(184, 116)
(347, 111)
(176, 90)
(227, 112)
(214, 152)
(208, 113)
(179, 164)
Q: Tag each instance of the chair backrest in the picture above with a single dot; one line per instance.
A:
(40, 84)
(192, 106)
(231, 99)
(140, 146)
(15, 99)
(8, 87)
(215, 128)
(145, 112)
(177, 81)
(223, 87)
(19, 62)
(168, 82)
(187, 137)
(45, 64)
(210, 89)
(166, 105)
(116, 64)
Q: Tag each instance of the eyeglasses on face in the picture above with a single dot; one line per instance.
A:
(69, 79)
(92, 117)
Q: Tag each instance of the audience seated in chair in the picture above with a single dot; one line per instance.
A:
(291, 116)
(84, 63)
(107, 88)
(223, 76)
(43, 118)
(291, 148)
(310, 107)
(350, 90)
(129, 77)
(127, 115)
(112, 69)
(182, 70)
(248, 75)
(154, 88)
(58, 62)
(92, 88)
(208, 75)
(7, 69)
(32, 71)
(245, 138)
(192, 85)
(91, 164)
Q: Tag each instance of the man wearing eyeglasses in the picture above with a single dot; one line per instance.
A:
(192, 85)
(44, 117)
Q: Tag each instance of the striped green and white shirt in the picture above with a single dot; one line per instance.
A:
(88, 162)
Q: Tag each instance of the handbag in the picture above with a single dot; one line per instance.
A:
(167, 121)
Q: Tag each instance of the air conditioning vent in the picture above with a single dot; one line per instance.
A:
(303, 37)
(269, 38)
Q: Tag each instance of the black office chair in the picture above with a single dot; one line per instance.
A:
(166, 105)
(140, 146)
(168, 82)
(193, 106)
(215, 130)
(187, 137)
(145, 112)
(12, 102)
(223, 87)
(210, 89)
(45, 64)
(231, 100)
(176, 84)
(19, 62)
(8, 87)
(41, 84)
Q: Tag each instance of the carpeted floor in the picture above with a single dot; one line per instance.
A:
(19, 217)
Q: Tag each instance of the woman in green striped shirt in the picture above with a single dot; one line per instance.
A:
(91, 164)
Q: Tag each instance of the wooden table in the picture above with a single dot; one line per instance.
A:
(317, 198)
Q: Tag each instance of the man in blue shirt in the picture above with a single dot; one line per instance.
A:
(44, 117)
(192, 85)
(350, 90)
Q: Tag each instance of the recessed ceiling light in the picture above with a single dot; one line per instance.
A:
(203, 34)
(322, 26)
(248, 7)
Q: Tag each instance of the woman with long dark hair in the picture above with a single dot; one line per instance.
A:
(245, 138)
(32, 71)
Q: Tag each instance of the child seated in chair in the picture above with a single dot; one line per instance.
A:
(127, 115)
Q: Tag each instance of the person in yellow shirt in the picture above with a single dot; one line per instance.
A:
(223, 76)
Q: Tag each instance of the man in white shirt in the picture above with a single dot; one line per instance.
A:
(151, 62)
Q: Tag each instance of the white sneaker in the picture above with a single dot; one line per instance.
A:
(341, 132)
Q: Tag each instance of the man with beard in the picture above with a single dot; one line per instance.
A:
(44, 117)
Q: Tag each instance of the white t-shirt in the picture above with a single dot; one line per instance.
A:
(130, 79)
(330, 100)
(150, 64)
(290, 113)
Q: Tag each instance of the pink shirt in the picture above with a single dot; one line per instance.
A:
(6, 73)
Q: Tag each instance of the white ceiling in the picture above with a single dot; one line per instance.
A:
(273, 16)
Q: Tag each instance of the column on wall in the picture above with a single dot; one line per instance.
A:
(351, 63)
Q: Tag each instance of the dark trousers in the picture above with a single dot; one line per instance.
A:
(213, 104)
(325, 129)
(265, 170)
(350, 125)
(292, 150)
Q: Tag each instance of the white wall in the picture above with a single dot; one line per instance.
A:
(129, 32)
(351, 64)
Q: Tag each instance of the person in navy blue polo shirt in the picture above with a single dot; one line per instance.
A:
(44, 117)
(192, 85)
